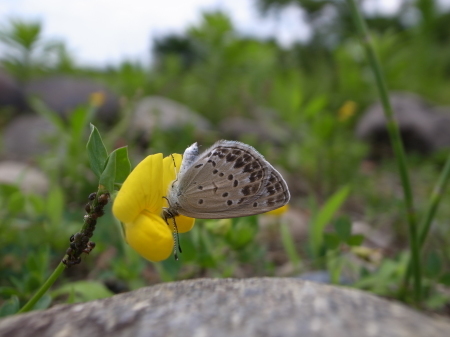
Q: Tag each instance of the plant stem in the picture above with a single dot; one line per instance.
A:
(43, 289)
(397, 145)
(435, 199)
(90, 220)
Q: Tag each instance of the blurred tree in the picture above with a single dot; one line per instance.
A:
(27, 53)
(331, 21)
(182, 46)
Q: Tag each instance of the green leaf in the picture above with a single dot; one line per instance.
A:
(289, 245)
(16, 203)
(8, 291)
(37, 203)
(242, 231)
(445, 279)
(108, 176)
(332, 241)
(78, 120)
(355, 240)
(343, 228)
(84, 291)
(42, 109)
(55, 206)
(97, 153)
(43, 303)
(433, 265)
(324, 216)
(123, 165)
(117, 169)
(10, 307)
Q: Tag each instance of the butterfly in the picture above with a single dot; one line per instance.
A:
(228, 180)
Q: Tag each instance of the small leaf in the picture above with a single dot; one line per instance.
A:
(108, 176)
(43, 303)
(289, 245)
(97, 153)
(445, 279)
(37, 203)
(42, 109)
(324, 216)
(10, 307)
(355, 240)
(16, 203)
(433, 265)
(8, 291)
(83, 290)
(55, 206)
(343, 228)
(332, 241)
(242, 231)
(123, 165)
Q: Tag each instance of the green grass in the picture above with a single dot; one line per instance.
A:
(307, 87)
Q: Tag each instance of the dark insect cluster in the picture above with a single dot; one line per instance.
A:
(79, 242)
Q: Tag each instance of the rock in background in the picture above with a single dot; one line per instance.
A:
(264, 126)
(424, 128)
(165, 114)
(26, 137)
(231, 307)
(28, 179)
(62, 94)
(12, 99)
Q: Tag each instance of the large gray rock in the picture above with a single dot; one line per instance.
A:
(28, 179)
(63, 94)
(424, 128)
(165, 114)
(26, 137)
(231, 307)
(264, 125)
(11, 95)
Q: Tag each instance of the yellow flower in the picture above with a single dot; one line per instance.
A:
(139, 205)
(279, 211)
(347, 110)
(97, 98)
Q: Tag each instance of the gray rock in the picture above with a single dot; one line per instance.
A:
(63, 94)
(26, 137)
(11, 95)
(28, 179)
(441, 128)
(265, 125)
(231, 307)
(414, 116)
(165, 114)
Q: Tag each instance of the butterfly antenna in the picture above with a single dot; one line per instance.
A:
(175, 169)
(176, 240)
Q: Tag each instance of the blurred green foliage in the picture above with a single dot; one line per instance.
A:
(318, 89)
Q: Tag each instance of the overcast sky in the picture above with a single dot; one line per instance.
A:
(100, 32)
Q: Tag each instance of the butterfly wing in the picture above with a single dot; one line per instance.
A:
(230, 179)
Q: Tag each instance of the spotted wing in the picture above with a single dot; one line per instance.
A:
(230, 179)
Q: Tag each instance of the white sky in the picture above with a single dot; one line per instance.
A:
(100, 32)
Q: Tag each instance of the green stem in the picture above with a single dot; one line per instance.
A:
(435, 199)
(43, 289)
(397, 145)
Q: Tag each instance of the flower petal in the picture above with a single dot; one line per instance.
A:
(150, 236)
(279, 211)
(184, 223)
(142, 190)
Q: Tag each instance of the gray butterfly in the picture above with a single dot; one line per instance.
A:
(228, 180)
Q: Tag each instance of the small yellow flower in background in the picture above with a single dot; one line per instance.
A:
(279, 211)
(96, 99)
(139, 205)
(347, 110)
